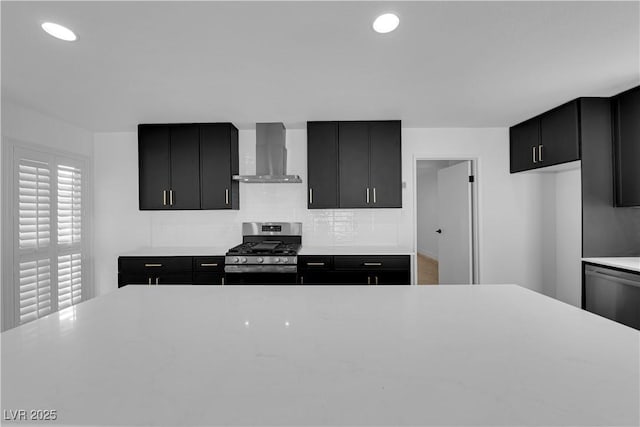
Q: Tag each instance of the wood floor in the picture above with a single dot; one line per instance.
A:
(427, 270)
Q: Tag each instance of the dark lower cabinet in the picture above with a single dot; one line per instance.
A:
(208, 270)
(312, 270)
(612, 293)
(354, 270)
(626, 140)
(154, 271)
(175, 270)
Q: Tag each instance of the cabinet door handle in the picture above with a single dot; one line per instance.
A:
(316, 263)
(372, 264)
(157, 280)
(310, 196)
(149, 281)
(374, 194)
(540, 152)
(153, 265)
(222, 281)
(533, 149)
(367, 195)
(302, 280)
(368, 280)
(171, 197)
(226, 196)
(164, 197)
(208, 264)
(376, 279)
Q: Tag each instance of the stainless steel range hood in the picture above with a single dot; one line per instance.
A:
(271, 156)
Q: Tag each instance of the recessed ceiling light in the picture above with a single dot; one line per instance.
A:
(386, 23)
(59, 32)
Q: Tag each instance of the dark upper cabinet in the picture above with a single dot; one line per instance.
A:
(385, 166)
(188, 166)
(559, 135)
(184, 191)
(524, 139)
(549, 139)
(626, 140)
(322, 164)
(154, 166)
(353, 161)
(218, 163)
(354, 164)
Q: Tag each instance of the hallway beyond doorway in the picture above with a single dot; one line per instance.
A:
(427, 270)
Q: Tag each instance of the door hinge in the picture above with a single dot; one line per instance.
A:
(472, 178)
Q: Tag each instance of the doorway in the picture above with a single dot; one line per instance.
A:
(445, 225)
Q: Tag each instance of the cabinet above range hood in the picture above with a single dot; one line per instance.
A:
(271, 156)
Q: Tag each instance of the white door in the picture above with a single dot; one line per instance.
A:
(454, 217)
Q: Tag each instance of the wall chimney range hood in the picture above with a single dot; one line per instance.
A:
(271, 156)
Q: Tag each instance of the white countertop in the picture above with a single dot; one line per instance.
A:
(354, 250)
(278, 355)
(178, 251)
(626, 263)
(304, 250)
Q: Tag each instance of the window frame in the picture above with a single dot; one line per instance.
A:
(12, 255)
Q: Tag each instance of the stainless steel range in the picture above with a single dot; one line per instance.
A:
(267, 255)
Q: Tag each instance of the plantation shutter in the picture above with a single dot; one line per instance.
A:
(48, 230)
(69, 205)
(69, 235)
(34, 239)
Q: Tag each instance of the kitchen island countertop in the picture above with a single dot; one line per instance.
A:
(325, 355)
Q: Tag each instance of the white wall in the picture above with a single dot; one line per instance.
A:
(569, 237)
(509, 219)
(427, 204)
(21, 125)
(562, 235)
(26, 125)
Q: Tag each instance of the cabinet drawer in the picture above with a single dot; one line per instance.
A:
(154, 265)
(315, 262)
(371, 262)
(204, 264)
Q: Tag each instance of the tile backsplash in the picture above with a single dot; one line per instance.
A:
(280, 202)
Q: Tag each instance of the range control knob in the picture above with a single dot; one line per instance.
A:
(259, 260)
(285, 260)
(243, 260)
(276, 260)
(236, 260)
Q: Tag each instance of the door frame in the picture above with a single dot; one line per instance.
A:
(475, 235)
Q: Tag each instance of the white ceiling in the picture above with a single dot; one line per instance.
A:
(449, 64)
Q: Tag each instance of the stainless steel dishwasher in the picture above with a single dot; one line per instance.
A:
(612, 293)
